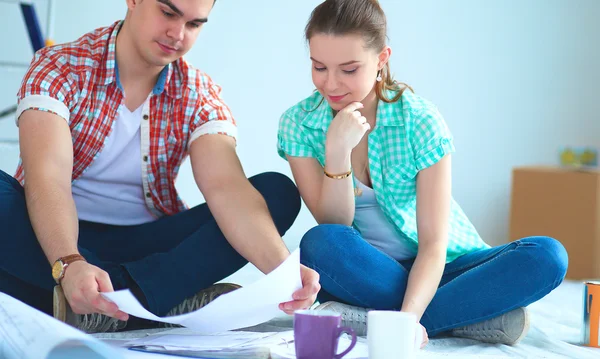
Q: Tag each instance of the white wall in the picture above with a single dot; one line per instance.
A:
(14, 48)
(515, 80)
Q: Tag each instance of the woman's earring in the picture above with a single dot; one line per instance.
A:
(378, 76)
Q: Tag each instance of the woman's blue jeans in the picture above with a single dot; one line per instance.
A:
(474, 287)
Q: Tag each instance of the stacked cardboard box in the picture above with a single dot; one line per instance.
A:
(564, 204)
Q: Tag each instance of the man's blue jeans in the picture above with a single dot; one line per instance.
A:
(170, 259)
(474, 287)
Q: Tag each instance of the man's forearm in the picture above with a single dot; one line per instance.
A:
(423, 280)
(243, 217)
(53, 217)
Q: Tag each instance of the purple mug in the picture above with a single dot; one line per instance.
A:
(316, 334)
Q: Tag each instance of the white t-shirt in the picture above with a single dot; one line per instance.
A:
(110, 191)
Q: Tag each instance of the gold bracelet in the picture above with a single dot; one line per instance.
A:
(342, 176)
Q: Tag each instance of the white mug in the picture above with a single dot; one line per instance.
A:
(393, 334)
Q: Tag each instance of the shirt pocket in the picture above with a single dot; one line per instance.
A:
(175, 148)
(401, 182)
(167, 147)
(398, 164)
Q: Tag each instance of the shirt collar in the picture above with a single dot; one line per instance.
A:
(110, 63)
(112, 70)
(159, 87)
(390, 114)
(319, 116)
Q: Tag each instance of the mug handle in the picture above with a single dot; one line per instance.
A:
(347, 330)
(418, 336)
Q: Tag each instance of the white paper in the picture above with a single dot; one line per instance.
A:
(189, 340)
(244, 307)
(28, 333)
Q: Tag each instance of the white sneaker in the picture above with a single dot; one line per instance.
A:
(508, 328)
(353, 317)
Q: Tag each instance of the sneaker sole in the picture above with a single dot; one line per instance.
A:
(323, 306)
(525, 327)
(59, 304)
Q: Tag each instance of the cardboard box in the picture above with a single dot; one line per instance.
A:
(563, 204)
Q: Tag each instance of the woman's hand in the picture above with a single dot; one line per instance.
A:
(347, 129)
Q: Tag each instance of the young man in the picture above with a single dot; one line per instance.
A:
(104, 124)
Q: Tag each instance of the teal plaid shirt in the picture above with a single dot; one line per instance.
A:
(410, 136)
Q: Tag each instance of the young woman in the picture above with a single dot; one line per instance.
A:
(372, 162)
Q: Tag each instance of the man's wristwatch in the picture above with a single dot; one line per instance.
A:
(60, 266)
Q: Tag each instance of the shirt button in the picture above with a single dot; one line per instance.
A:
(145, 158)
(148, 195)
(145, 117)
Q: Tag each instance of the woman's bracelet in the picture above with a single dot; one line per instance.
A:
(340, 176)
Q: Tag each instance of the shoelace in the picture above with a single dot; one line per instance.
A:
(196, 302)
(97, 323)
(187, 306)
(355, 319)
(191, 304)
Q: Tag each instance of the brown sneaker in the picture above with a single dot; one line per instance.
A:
(199, 300)
(88, 323)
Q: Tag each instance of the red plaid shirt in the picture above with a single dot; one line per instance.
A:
(78, 81)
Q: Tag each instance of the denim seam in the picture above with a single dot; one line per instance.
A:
(490, 260)
(506, 250)
(390, 257)
(353, 231)
(150, 299)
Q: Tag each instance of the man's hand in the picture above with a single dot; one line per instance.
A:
(82, 285)
(306, 296)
